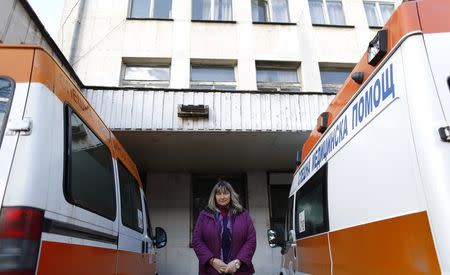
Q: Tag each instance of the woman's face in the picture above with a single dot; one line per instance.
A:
(223, 198)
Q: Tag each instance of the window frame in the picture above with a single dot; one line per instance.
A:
(212, 85)
(8, 107)
(269, 12)
(320, 177)
(129, 174)
(325, 13)
(379, 15)
(333, 69)
(212, 13)
(151, 11)
(281, 86)
(67, 173)
(145, 83)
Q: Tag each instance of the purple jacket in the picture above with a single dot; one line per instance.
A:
(206, 242)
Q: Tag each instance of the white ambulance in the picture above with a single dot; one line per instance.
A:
(71, 200)
(372, 193)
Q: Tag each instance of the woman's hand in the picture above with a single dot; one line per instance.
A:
(218, 265)
(231, 267)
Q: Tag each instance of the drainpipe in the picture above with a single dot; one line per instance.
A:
(75, 44)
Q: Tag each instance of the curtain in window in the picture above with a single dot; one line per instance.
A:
(259, 11)
(276, 75)
(140, 8)
(335, 13)
(222, 10)
(371, 14)
(280, 11)
(386, 11)
(201, 9)
(162, 8)
(316, 10)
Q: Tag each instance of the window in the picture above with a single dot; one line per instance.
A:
(277, 78)
(270, 11)
(213, 77)
(311, 206)
(378, 13)
(130, 200)
(6, 94)
(278, 207)
(332, 79)
(201, 189)
(146, 76)
(89, 171)
(151, 9)
(289, 211)
(212, 10)
(147, 216)
(326, 12)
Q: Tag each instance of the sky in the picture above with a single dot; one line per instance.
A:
(49, 12)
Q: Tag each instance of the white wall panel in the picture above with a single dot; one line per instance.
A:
(228, 111)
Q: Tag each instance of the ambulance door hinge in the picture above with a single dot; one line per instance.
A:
(21, 126)
(444, 132)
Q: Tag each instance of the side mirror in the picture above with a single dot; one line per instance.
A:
(160, 239)
(273, 239)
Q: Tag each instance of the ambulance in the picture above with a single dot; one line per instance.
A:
(71, 200)
(372, 192)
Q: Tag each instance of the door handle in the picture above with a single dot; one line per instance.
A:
(143, 247)
(146, 247)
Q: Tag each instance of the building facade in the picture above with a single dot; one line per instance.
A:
(198, 90)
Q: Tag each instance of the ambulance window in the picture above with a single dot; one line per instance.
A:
(130, 200)
(89, 170)
(311, 206)
(6, 93)
(147, 216)
(289, 217)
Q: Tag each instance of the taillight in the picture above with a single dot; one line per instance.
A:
(20, 234)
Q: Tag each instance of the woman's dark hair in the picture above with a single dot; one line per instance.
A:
(221, 186)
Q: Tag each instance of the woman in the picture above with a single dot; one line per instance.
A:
(224, 236)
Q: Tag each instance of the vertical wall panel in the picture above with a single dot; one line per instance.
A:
(266, 118)
(256, 111)
(136, 113)
(246, 112)
(158, 105)
(168, 111)
(236, 111)
(226, 111)
(147, 116)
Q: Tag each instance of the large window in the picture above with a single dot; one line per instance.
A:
(378, 13)
(151, 9)
(6, 94)
(311, 206)
(130, 200)
(213, 77)
(146, 76)
(212, 10)
(277, 78)
(89, 175)
(333, 78)
(270, 11)
(326, 12)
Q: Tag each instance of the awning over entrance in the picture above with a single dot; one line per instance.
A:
(243, 131)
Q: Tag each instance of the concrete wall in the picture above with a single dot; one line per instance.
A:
(169, 200)
(106, 36)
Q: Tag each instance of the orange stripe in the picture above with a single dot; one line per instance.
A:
(135, 263)
(313, 255)
(401, 245)
(70, 259)
(16, 63)
(434, 16)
